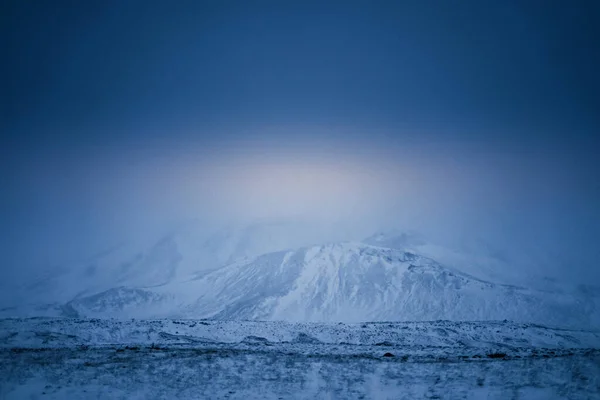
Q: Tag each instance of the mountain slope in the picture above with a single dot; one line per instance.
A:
(346, 282)
(190, 250)
(479, 258)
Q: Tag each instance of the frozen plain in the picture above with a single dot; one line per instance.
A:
(59, 358)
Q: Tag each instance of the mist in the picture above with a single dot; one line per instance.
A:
(533, 203)
(120, 124)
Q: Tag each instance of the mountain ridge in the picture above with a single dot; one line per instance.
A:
(346, 282)
(386, 278)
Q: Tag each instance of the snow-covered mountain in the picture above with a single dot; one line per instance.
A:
(276, 272)
(345, 282)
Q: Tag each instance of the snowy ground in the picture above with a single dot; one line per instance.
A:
(69, 358)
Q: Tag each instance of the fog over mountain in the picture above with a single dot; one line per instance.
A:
(156, 230)
(72, 207)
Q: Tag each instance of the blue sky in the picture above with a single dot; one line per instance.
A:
(445, 115)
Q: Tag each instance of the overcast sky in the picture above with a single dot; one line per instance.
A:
(451, 117)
